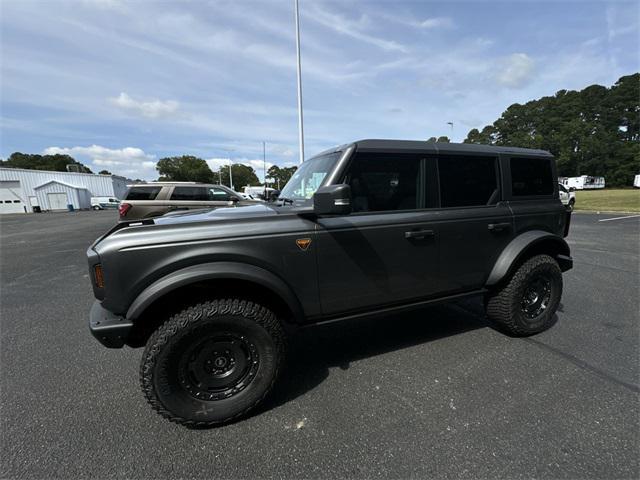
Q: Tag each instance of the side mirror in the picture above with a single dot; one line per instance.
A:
(332, 200)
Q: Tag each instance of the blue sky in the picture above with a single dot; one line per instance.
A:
(121, 84)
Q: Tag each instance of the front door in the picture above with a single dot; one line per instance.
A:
(386, 251)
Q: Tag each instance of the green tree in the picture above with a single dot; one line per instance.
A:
(442, 139)
(185, 168)
(105, 172)
(595, 131)
(55, 163)
(281, 175)
(243, 175)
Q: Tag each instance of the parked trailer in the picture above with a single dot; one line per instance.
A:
(584, 182)
(636, 181)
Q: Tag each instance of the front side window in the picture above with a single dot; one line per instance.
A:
(531, 176)
(308, 178)
(191, 194)
(382, 182)
(143, 193)
(219, 195)
(467, 181)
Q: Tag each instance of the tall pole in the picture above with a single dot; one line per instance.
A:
(230, 175)
(264, 167)
(300, 125)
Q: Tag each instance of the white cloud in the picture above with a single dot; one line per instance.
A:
(352, 28)
(516, 70)
(436, 22)
(127, 161)
(150, 109)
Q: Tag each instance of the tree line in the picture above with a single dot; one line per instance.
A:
(185, 168)
(194, 169)
(594, 131)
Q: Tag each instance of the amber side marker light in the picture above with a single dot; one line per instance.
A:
(97, 270)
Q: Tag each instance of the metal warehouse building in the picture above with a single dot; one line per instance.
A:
(21, 189)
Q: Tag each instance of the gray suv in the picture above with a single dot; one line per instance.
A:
(373, 227)
(158, 198)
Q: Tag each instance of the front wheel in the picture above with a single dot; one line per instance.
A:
(528, 302)
(212, 362)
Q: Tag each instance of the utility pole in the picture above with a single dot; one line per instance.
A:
(230, 175)
(300, 123)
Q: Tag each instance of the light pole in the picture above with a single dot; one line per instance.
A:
(264, 167)
(300, 124)
(229, 150)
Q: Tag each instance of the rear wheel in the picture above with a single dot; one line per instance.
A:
(212, 362)
(572, 203)
(526, 304)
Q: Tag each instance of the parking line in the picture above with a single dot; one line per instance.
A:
(618, 218)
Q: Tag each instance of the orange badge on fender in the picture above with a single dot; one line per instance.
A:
(303, 243)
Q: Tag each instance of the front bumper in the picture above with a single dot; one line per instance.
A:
(110, 330)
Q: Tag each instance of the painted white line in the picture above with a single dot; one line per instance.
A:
(618, 218)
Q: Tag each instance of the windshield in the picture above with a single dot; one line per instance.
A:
(304, 183)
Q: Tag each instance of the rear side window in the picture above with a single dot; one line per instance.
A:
(193, 194)
(531, 176)
(467, 181)
(381, 182)
(143, 193)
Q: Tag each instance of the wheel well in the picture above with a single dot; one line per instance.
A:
(547, 246)
(175, 300)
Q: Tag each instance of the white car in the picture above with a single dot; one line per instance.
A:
(100, 203)
(567, 197)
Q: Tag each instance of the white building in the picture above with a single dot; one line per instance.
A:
(22, 189)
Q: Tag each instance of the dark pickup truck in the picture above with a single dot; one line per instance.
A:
(372, 227)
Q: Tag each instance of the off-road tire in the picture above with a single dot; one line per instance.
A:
(504, 306)
(170, 391)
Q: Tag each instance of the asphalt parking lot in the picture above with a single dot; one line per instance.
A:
(434, 393)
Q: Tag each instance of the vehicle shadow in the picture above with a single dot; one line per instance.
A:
(313, 351)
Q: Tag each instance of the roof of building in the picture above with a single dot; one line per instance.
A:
(33, 170)
(77, 187)
(435, 147)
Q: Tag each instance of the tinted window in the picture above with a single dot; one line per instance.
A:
(143, 193)
(531, 176)
(467, 181)
(193, 194)
(381, 182)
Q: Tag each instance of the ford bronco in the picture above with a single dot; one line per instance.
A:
(372, 227)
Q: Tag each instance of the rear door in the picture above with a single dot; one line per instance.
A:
(385, 252)
(475, 222)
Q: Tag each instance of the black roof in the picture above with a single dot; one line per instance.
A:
(372, 145)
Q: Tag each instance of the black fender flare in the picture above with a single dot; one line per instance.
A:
(210, 271)
(519, 246)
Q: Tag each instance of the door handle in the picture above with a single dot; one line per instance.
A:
(419, 234)
(498, 227)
